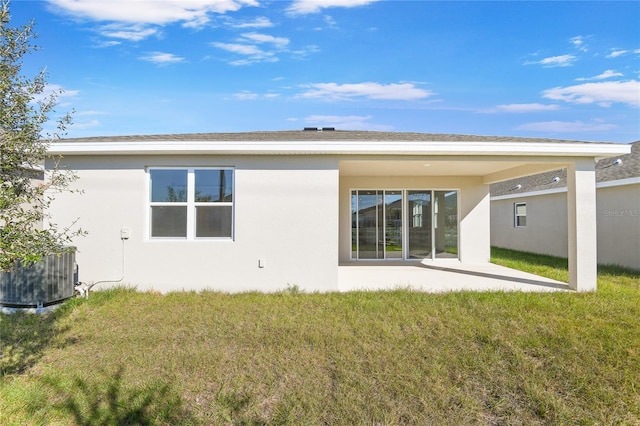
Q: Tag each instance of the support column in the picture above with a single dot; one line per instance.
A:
(582, 244)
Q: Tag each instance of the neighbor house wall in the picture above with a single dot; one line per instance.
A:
(546, 230)
(285, 214)
(618, 212)
(473, 209)
(618, 224)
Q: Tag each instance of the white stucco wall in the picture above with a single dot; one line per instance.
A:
(473, 209)
(285, 214)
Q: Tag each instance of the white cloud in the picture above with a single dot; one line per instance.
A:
(280, 42)
(104, 44)
(253, 53)
(247, 46)
(369, 90)
(620, 52)
(247, 95)
(617, 52)
(343, 122)
(603, 76)
(136, 20)
(56, 91)
(259, 22)
(190, 13)
(162, 58)
(579, 43)
(127, 32)
(603, 93)
(331, 23)
(303, 7)
(241, 49)
(554, 61)
(521, 108)
(86, 124)
(566, 126)
(89, 113)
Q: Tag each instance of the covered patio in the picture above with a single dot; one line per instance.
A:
(441, 276)
(404, 192)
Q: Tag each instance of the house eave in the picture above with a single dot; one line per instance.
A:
(356, 147)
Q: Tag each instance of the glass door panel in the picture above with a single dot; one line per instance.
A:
(354, 224)
(370, 225)
(445, 213)
(419, 224)
(393, 224)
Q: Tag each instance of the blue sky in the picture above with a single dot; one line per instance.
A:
(549, 69)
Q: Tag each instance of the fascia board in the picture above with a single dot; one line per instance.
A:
(529, 194)
(607, 184)
(474, 148)
(619, 182)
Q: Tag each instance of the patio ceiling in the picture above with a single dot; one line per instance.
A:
(491, 170)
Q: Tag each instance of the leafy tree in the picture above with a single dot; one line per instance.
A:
(26, 191)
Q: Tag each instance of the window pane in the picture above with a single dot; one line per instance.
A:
(521, 209)
(446, 223)
(521, 221)
(214, 186)
(370, 225)
(419, 224)
(354, 224)
(393, 224)
(213, 221)
(168, 186)
(168, 221)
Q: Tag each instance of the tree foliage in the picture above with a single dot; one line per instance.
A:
(26, 190)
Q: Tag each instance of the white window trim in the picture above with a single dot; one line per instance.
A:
(191, 204)
(516, 215)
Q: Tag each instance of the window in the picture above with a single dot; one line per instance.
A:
(191, 203)
(520, 215)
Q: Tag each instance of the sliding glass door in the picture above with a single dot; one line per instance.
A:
(404, 224)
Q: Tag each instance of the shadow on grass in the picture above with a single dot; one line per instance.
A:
(108, 400)
(25, 336)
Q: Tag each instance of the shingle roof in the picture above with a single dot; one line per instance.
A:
(606, 171)
(302, 135)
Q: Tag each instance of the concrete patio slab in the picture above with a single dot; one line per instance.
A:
(441, 276)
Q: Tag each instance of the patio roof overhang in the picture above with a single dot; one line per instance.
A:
(493, 161)
(355, 147)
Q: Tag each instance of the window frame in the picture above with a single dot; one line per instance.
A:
(191, 204)
(517, 216)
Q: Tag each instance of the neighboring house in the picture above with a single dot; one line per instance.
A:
(267, 210)
(530, 213)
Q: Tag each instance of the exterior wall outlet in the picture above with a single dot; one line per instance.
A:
(125, 233)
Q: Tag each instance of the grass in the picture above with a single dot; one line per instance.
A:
(397, 357)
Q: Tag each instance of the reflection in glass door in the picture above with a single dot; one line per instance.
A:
(419, 224)
(370, 225)
(393, 224)
(445, 219)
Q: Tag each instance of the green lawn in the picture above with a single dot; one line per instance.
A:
(397, 357)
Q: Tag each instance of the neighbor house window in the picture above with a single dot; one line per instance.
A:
(191, 203)
(520, 214)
